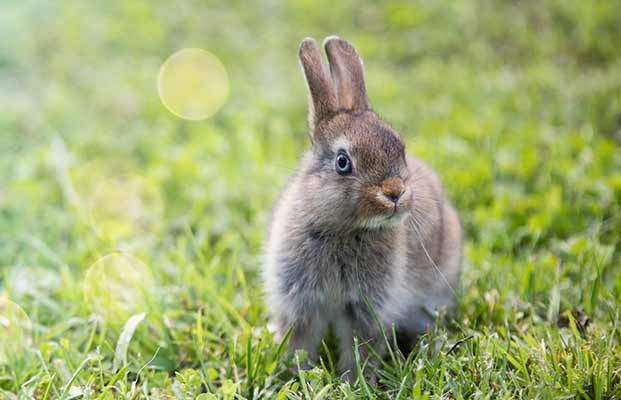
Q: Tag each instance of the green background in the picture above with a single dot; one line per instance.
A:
(517, 105)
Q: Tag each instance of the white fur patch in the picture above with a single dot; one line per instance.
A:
(383, 221)
(341, 143)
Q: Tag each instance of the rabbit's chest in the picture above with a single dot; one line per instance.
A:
(338, 272)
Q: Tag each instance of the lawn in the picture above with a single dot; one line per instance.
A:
(131, 238)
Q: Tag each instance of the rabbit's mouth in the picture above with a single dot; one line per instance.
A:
(391, 219)
(397, 216)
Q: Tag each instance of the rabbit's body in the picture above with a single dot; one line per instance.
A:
(379, 228)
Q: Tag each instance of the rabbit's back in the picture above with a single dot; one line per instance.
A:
(434, 255)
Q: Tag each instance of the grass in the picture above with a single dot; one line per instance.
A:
(516, 104)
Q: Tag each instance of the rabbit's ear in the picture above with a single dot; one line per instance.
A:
(347, 73)
(323, 101)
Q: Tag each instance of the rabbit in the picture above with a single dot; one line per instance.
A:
(361, 233)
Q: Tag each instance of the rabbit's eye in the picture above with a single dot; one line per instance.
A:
(343, 164)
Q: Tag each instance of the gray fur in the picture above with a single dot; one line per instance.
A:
(333, 237)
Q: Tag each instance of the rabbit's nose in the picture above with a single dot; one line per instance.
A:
(393, 189)
(394, 197)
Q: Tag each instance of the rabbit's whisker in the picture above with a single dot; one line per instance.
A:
(433, 263)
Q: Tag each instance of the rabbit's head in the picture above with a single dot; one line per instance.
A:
(356, 175)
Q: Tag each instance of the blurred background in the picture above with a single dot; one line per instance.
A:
(517, 105)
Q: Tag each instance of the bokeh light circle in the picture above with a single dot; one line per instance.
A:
(118, 286)
(15, 331)
(193, 84)
(125, 208)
